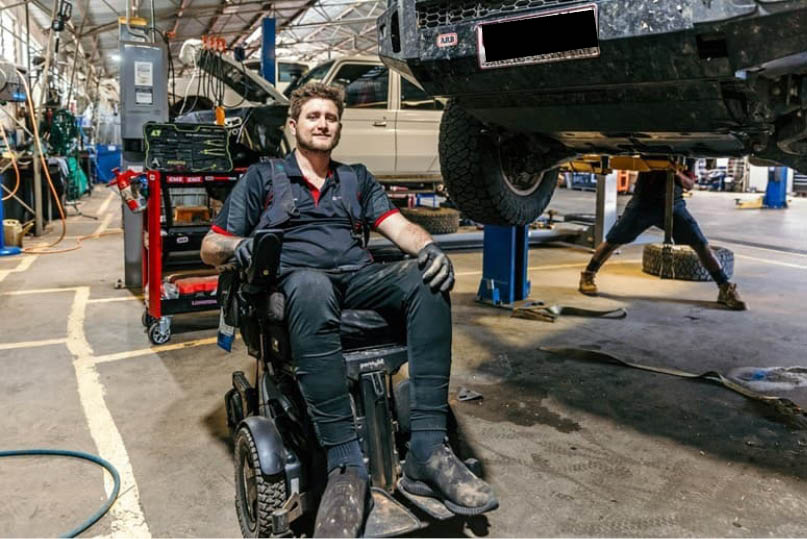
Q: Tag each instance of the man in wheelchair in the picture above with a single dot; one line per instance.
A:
(324, 209)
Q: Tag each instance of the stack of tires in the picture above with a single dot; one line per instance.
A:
(434, 220)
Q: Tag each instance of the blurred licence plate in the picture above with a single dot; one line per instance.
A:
(569, 34)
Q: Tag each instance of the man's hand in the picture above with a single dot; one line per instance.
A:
(243, 253)
(438, 272)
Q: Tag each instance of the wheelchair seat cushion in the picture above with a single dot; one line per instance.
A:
(364, 329)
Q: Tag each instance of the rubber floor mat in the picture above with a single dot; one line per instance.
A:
(784, 407)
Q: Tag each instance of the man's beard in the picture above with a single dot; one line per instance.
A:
(309, 147)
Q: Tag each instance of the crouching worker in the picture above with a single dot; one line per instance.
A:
(646, 209)
(324, 268)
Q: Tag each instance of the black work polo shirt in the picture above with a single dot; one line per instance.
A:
(320, 237)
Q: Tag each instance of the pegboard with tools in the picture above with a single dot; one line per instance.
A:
(187, 147)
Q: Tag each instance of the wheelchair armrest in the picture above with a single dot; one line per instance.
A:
(262, 272)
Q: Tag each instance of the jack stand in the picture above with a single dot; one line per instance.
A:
(504, 266)
(667, 266)
(606, 212)
(606, 206)
(776, 190)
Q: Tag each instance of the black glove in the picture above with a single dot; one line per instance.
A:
(243, 253)
(438, 272)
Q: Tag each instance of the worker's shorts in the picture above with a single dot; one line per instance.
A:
(639, 216)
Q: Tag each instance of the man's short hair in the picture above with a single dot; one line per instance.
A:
(314, 90)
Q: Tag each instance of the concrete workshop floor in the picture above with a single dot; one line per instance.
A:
(572, 448)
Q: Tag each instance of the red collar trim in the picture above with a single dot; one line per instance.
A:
(315, 193)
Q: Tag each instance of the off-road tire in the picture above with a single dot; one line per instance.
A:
(270, 491)
(434, 220)
(686, 264)
(470, 164)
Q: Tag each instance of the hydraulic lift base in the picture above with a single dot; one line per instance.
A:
(504, 266)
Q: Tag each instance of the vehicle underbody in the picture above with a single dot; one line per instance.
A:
(693, 77)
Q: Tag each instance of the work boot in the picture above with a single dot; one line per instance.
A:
(345, 504)
(729, 297)
(445, 477)
(587, 284)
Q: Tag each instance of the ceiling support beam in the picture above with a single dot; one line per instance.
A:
(256, 21)
(182, 7)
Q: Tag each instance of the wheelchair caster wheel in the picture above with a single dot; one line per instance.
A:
(159, 332)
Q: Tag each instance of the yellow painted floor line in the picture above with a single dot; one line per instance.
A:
(536, 268)
(111, 300)
(773, 262)
(126, 514)
(38, 291)
(106, 203)
(776, 251)
(25, 262)
(31, 344)
(570, 265)
(155, 350)
(103, 226)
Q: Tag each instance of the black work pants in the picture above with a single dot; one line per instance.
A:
(314, 302)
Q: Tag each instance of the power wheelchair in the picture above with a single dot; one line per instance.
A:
(280, 469)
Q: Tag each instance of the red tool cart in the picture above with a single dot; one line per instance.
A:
(179, 211)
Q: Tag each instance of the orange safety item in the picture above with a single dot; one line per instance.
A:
(220, 115)
(623, 180)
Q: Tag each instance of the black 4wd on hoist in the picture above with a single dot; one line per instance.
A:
(535, 82)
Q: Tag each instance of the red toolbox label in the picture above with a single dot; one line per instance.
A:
(184, 179)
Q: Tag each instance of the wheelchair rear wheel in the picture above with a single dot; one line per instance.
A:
(257, 496)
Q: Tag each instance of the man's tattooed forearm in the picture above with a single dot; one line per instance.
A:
(225, 246)
(218, 248)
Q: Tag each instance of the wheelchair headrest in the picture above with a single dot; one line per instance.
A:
(265, 257)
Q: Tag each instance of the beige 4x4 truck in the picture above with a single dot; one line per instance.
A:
(391, 126)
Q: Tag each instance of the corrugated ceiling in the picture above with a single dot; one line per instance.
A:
(308, 30)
